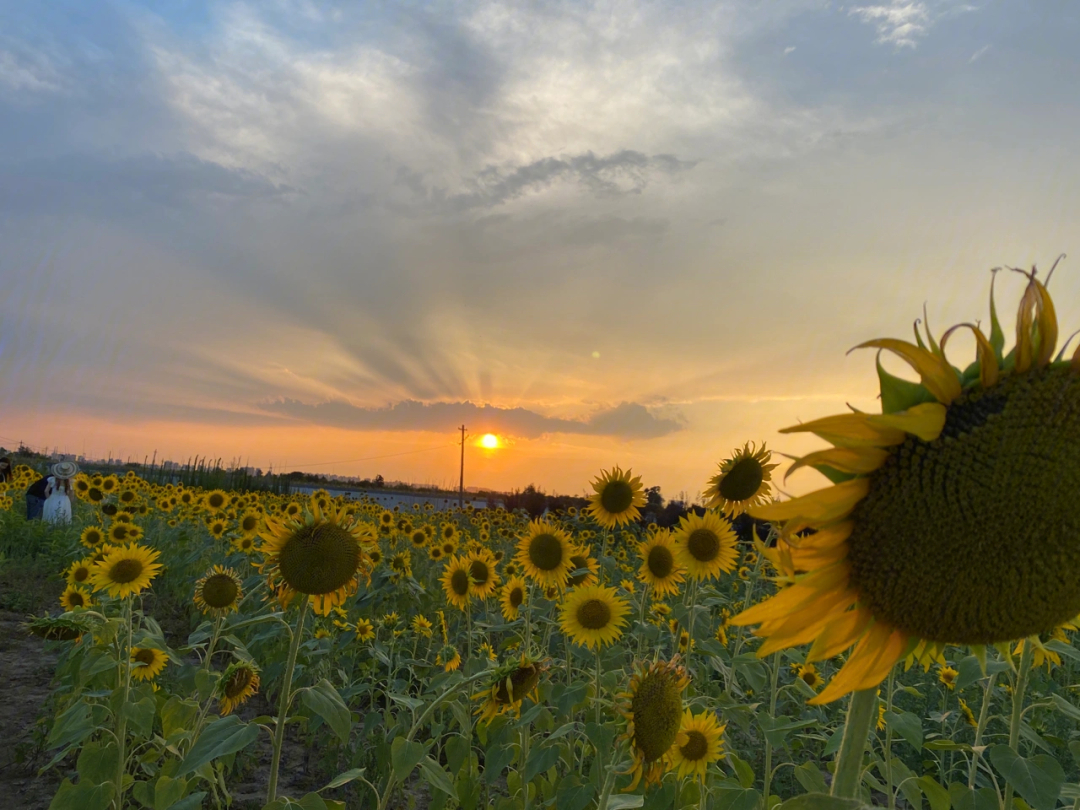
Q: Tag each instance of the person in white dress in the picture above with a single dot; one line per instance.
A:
(58, 493)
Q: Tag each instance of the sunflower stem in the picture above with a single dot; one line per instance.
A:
(888, 742)
(213, 642)
(1018, 709)
(767, 775)
(285, 700)
(849, 760)
(121, 721)
(984, 715)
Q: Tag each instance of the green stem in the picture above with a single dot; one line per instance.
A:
(1018, 709)
(849, 760)
(888, 743)
(767, 776)
(213, 643)
(525, 734)
(984, 716)
(121, 721)
(286, 699)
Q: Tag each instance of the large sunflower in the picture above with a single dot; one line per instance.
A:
(125, 570)
(593, 615)
(75, 597)
(617, 498)
(456, 582)
(702, 747)
(320, 556)
(544, 553)
(951, 519)
(743, 481)
(653, 709)
(706, 545)
(219, 592)
(659, 568)
(238, 683)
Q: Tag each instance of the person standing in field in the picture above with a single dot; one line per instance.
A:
(39, 492)
(6, 473)
(58, 494)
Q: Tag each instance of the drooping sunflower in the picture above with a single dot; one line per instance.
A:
(448, 658)
(743, 481)
(218, 593)
(706, 545)
(593, 615)
(544, 553)
(659, 567)
(60, 628)
(704, 745)
(238, 683)
(321, 556)
(456, 582)
(147, 662)
(75, 597)
(92, 537)
(653, 708)
(514, 594)
(949, 520)
(617, 498)
(125, 570)
(483, 578)
(509, 685)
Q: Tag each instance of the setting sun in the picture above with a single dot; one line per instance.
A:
(490, 441)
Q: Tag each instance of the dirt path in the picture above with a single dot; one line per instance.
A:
(26, 671)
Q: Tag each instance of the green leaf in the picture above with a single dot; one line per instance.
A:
(345, 777)
(324, 700)
(969, 670)
(177, 715)
(743, 771)
(937, 795)
(405, 755)
(83, 796)
(496, 758)
(622, 802)
(192, 802)
(1037, 779)
(574, 793)
(457, 751)
(811, 778)
(908, 726)
(964, 799)
(72, 726)
(224, 736)
(946, 745)
(1065, 707)
(141, 715)
(540, 759)
(820, 801)
(97, 763)
(435, 776)
(168, 792)
(737, 798)
(776, 729)
(600, 735)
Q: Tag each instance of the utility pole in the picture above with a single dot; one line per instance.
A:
(461, 485)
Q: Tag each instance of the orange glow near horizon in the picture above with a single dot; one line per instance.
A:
(490, 441)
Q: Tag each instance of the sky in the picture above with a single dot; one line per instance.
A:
(323, 236)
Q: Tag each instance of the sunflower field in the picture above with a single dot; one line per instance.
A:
(899, 638)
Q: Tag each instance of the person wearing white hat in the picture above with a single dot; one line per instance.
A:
(50, 497)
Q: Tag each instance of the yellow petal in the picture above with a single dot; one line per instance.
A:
(858, 461)
(936, 375)
(984, 353)
(804, 627)
(849, 430)
(868, 666)
(924, 420)
(806, 589)
(840, 634)
(1036, 319)
(821, 506)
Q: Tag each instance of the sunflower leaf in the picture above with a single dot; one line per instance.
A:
(1037, 779)
(324, 700)
(224, 736)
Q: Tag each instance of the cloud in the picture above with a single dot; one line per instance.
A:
(979, 53)
(904, 22)
(624, 172)
(628, 420)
